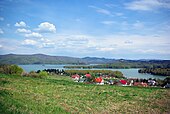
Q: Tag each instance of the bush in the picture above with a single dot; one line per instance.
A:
(33, 74)
(11, 69)
(43, 74)
(16, 70)
(118, 74)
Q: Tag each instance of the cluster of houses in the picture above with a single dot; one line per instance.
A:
(97, 80)
(111, 80)
(102, 80)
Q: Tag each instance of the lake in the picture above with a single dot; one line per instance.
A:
(129, 73)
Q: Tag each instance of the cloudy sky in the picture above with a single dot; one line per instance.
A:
(129, 29)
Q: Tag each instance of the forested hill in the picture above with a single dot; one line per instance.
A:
(103, 62)
(38, 59)
(136, 64)
(47, 59)
(96, 60)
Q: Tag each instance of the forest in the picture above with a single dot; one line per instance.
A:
(156, 71)
(125, 64)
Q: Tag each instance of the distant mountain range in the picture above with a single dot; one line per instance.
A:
(95, 60)
(38, 59)
(47, 59)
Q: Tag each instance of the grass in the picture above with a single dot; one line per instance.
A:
(60, 95)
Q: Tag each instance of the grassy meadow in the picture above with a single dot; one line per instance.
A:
(60, 95)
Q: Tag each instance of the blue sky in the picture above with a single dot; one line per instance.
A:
(129, 29)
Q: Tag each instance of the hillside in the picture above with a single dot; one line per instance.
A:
(47, 59)
(96, 60)
(61, 95)
(105, 63)
(38, 59)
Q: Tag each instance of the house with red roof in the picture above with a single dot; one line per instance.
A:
(99, 81)
(123, 82)
(88, 75)
(75, 77)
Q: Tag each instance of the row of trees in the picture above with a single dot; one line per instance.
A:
(79, 66)
(116, 74)
(156, 71)
(53, 71)
(128, 64)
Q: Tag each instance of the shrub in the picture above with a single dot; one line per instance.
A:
(33, 74)
(118, 74)
(43, 74)
(16, 69)
(11, 69)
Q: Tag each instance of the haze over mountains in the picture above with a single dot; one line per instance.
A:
(47, 59)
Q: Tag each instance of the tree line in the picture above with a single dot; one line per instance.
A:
(156, 71)
(126, 64)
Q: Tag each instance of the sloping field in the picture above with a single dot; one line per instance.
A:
(61, 95)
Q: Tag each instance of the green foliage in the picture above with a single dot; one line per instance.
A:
(167, 80)
(96, 73)
(156, 71)
(16, 70)
(34, 74)
(43, 74)
(118, 74)
(37, 59)
(11, 69)
(125, 64)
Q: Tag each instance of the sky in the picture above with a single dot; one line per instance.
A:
(120, 29)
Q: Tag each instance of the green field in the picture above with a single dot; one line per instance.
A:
(60, 95)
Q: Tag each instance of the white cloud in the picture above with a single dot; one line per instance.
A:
(1, 18)
(46, 27)
(1, 31)
(138, 25)
(105, 49)
(73, 40)
(108, 22)
(128, 42)
(148, 5)
(23, 30)
(47, 45)
(101, 10)
(110, 5)
(118, 14)
(152, 51)
(29, 42)
(33, 35)
(1, 46)
(114, 44)
(20, 24)
(104, 11)
(124, 45)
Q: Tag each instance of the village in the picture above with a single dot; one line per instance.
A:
(108, 80)
(107, 77)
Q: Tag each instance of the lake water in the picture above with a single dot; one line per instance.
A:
(130, 73)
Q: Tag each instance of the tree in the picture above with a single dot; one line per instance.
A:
(11, 69)
(118, 74)
(14, 69)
